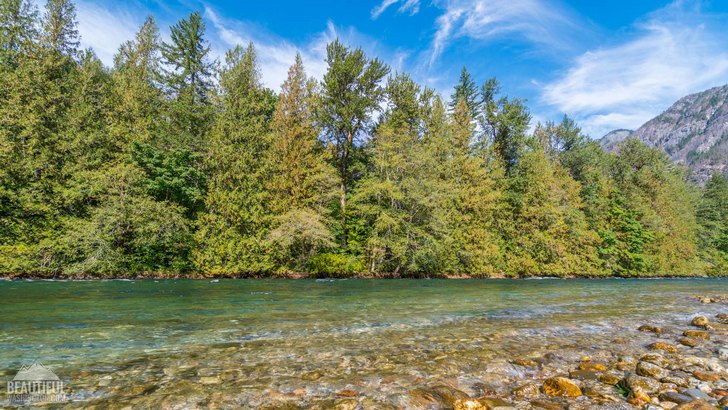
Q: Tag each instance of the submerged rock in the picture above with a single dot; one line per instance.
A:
(647, 369)
(675, 397)
(697, 334)
(696, 405)
(649, 328)
(638, 397)
(468, 404)
(665, 347)
(699, 321)
(561, 386)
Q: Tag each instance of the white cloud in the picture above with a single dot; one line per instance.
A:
(535, 21)
(276, 55)
(104, 30)
(411, 6)
(675, 52)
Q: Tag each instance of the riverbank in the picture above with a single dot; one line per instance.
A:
(303, 275)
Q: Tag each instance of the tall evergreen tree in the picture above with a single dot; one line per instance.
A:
(713, 218)
(302, 182)
(351, 92)
(233, 230)
(188, 79)
(18, 31)
(467, 91)
(60, 32)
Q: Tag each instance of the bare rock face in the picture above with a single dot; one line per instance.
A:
(694, 132)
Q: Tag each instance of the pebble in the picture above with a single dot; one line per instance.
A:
(561, 386)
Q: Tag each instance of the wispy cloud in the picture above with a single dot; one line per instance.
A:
(674, 52)
(407, 6)
(276, 54)
(104, 29)
(534, 21)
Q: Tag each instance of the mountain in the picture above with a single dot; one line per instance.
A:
(694, 132)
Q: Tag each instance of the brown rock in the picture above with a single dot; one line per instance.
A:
(347, 393)
(686, 341)
(346, 404)
(468, 404)
(706, 376)
(561, 386)
(722, 317)
(675, 397)
(584, 375)
(647, 369)
(610, 379)
(524, 362)
(649, 328)
(632, 381)
(697, 334)
(699, 321)
(665, 347)
(493, 402)
(638, 397)
(547, 405)
(696, 405)
(448, 395)
(677, 381)
(595, 367)
(527, 390)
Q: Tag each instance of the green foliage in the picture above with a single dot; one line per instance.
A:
(333, 265)
(150, 166)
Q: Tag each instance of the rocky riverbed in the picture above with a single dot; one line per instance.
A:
(678, 363)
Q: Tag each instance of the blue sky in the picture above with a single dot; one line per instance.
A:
(608, 64)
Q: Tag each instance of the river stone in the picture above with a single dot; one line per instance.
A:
(524, 362)
(638, 397)
(665, 347)
(448, 395)
(677, 381)
(649, 328)
(561, 386)
(632, 381)
(346, 404)
(722, 317)
(491, 403)
(699, 321)
(675, 397)
(610, 379)
(706, 376)
(468, 404)
(696, 405)
(546, 405)
(686, 341)
(696, 394)
(422, 399)
(647, 369)
(527, 390)
(697, 334)
(591, 366)
(655, 358)
(583, 375)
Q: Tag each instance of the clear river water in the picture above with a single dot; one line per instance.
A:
(245, 343)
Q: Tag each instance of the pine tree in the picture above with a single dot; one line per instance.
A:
(302, 182)
(351, 92)
(232, 231)
(467, 92)
(18, 31)
(188, 80)
(712, 216)
(60, 31)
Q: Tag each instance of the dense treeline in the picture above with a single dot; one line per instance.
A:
(169, 162)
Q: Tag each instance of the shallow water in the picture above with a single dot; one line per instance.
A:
(262, 338)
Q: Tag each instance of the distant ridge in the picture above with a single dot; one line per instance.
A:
(693, 131)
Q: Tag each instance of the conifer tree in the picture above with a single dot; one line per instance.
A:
(302, 182)
(188, 80)
(232, 231)
(467, 91)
